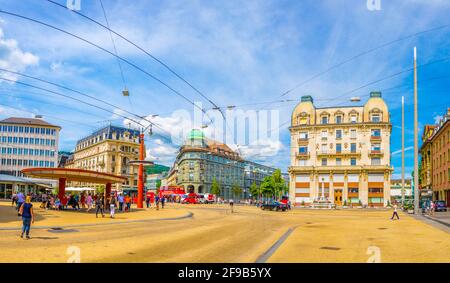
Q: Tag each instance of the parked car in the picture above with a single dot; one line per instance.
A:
(201, 199)
(274, 205)
(209, 198)
(440, 205)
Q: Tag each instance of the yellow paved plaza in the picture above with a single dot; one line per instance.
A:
(214, 234)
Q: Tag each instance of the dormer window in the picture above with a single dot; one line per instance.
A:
(376, 118)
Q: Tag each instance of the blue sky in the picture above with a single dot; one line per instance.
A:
(235, 52)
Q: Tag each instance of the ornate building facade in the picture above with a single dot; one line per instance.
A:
(108, 150)
(341, 153)
(435, 169)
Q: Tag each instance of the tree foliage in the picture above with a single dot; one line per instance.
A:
(215, 188)
(236, 190)
(274, 185)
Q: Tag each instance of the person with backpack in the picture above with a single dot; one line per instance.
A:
(26, 211)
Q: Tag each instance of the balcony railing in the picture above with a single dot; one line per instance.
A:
(338, 153)
(302, 155)
(375, 138)
(375, 152)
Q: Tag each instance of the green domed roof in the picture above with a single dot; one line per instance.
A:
(196, 134)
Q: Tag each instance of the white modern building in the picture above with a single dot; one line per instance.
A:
(27, 142)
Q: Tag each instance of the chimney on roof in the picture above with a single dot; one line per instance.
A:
(38, 116)
(375, 94)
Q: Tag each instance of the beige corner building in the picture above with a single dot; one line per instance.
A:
(341, 154)
(108, 150)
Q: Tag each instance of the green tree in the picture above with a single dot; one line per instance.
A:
(279, 184)
(236, 190)
(158, 184)
(267, 186)
(254, 190)
(215, 188)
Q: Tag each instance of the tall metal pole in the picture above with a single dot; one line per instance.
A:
(403, 150)
(416, 140)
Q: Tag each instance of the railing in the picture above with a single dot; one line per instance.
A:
(375, 138)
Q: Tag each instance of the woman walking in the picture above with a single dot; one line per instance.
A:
(26, 210)
(89, 202)
(112, 206)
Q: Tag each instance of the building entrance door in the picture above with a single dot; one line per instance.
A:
(338, 197)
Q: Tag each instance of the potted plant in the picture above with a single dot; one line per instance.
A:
(303, 203)
(345, 204)
(359, 204)
(410, 208)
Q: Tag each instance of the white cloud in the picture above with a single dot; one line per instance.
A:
(14, 112)
(13, 58)
(438, 118)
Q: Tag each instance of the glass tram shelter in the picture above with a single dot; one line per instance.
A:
(77, 175)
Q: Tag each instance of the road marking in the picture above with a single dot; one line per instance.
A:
(267, 254)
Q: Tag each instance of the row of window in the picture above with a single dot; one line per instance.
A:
(26, 162)
(27, 129)
(27, 151)
(338, 162)
(324, 148)
(374, 118)
(25, 140)
(339, 134)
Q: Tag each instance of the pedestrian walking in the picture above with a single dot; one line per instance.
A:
(14, 200)
(26, 211)
(120, 200)
(112, 206)
(99, 206)
(89, 202)
(395, 212)
(147, 201)
(163, 200)
(128, 203)
(20, 200)
(231, 205)
(157, 202)
(431, 208)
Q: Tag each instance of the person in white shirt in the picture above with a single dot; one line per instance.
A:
(231, 204)
(395, 212)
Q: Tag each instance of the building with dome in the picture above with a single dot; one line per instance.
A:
(341, 154)
(201, 160)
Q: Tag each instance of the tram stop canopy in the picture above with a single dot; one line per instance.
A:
(77, 175)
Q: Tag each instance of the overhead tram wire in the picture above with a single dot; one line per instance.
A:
(115, 52)
(371, 83)
(104, 50)
(319, 74)
(84, 102)
(153, 57)
(81, 93)
(49, 103)
(46, 115)
(87, 103)
(141, 49)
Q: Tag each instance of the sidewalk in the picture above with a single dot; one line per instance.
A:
(440, 217)
(44, 219)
